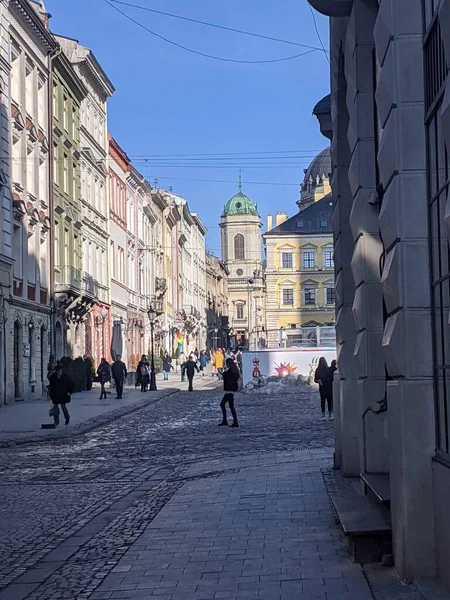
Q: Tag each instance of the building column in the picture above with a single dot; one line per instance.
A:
(407, 341)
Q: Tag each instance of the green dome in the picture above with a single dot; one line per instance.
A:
(240, 204)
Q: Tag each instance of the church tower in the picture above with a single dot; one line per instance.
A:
(240, 226)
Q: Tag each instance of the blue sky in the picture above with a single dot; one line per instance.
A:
(171, 102)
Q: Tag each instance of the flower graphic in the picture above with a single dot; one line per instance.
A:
(284, 369)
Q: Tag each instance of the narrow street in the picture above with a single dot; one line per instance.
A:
(163, 503)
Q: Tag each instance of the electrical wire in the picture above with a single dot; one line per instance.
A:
(204, 54)
(208, 24)
(317, 31)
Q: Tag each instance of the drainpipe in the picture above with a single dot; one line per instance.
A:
(54, 54)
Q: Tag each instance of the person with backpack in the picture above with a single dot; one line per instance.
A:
(230, 385)
(144, 371)
(189, 369)
(104, 375)
(203, 360)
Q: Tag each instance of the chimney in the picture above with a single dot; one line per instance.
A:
(280, 218)
(269, 222)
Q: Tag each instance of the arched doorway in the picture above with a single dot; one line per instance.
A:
(17, 359)
(59, 341)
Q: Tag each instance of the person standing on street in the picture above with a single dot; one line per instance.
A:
(203, 360)
(61, 388)
(182, 362)
(230, 385)
(324, 377)
(88, 367)
(119, 373)
(166, 366)
(144, 373)
(104, 375)
(219, 361)
(189, 369)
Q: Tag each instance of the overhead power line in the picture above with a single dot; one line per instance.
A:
(215, 25)
(317, 31)
(204, 54)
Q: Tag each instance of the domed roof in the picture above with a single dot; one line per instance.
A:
(240, 204)
(319, 169)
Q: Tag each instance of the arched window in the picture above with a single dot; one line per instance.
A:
(240, 311)
(239, 247)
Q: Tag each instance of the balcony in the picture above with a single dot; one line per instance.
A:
(132, 298)
(90, 285)
(67, 278)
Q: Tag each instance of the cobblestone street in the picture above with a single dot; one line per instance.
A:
(163, 503)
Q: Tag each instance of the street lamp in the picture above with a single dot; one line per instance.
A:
(152, 316)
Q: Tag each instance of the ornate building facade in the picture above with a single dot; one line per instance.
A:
(217, 321)
(95, 276)
(30, 50)
(72, 304)
(241, 246)
(299, 268)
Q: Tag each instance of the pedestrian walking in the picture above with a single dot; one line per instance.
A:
(218, 362)
(144, 371)
(88, 370)
(61, 388)
(203, 360)
(324, 377)
(189, 369)
(104, 375)
(119, 374)
(230, 385)
(166, 366)
(182, 361)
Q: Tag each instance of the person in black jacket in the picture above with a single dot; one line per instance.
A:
(230, 385)
(324, 377)
(166, 366)
(104, 375)
(189, 369)
(60, 388)
(119, 373)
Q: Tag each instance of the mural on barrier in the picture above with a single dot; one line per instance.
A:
(283, 362)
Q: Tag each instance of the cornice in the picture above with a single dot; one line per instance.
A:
(69, 75)
(33, 23)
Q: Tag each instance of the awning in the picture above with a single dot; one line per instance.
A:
(116, 341)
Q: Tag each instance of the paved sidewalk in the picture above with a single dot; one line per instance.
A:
(262, 529)
(21, 422)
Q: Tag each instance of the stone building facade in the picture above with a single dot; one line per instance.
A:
(388, 121)
(30, 50)
(119, 166)
(299, 272)
(241, 246)
(217, 321)
(71, 303)
(95, 340)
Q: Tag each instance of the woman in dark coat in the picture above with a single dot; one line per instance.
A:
(230, 385)
(324, 377)
(104, 375)
(60, 388)
(143, 370)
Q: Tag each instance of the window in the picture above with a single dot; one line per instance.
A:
(239, 311)
(288, 297)
(330, 295)
(66, 174)
(300, 224)
(67, 260)
(286, 260)
(328, 262)
(309, 260)
(17, 248)
(239, 247)
(310, 296)
(438, 188)
(65, 112)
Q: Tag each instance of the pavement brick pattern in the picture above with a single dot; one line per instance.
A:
(162, 503)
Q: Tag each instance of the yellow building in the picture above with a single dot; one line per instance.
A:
(299, 270)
